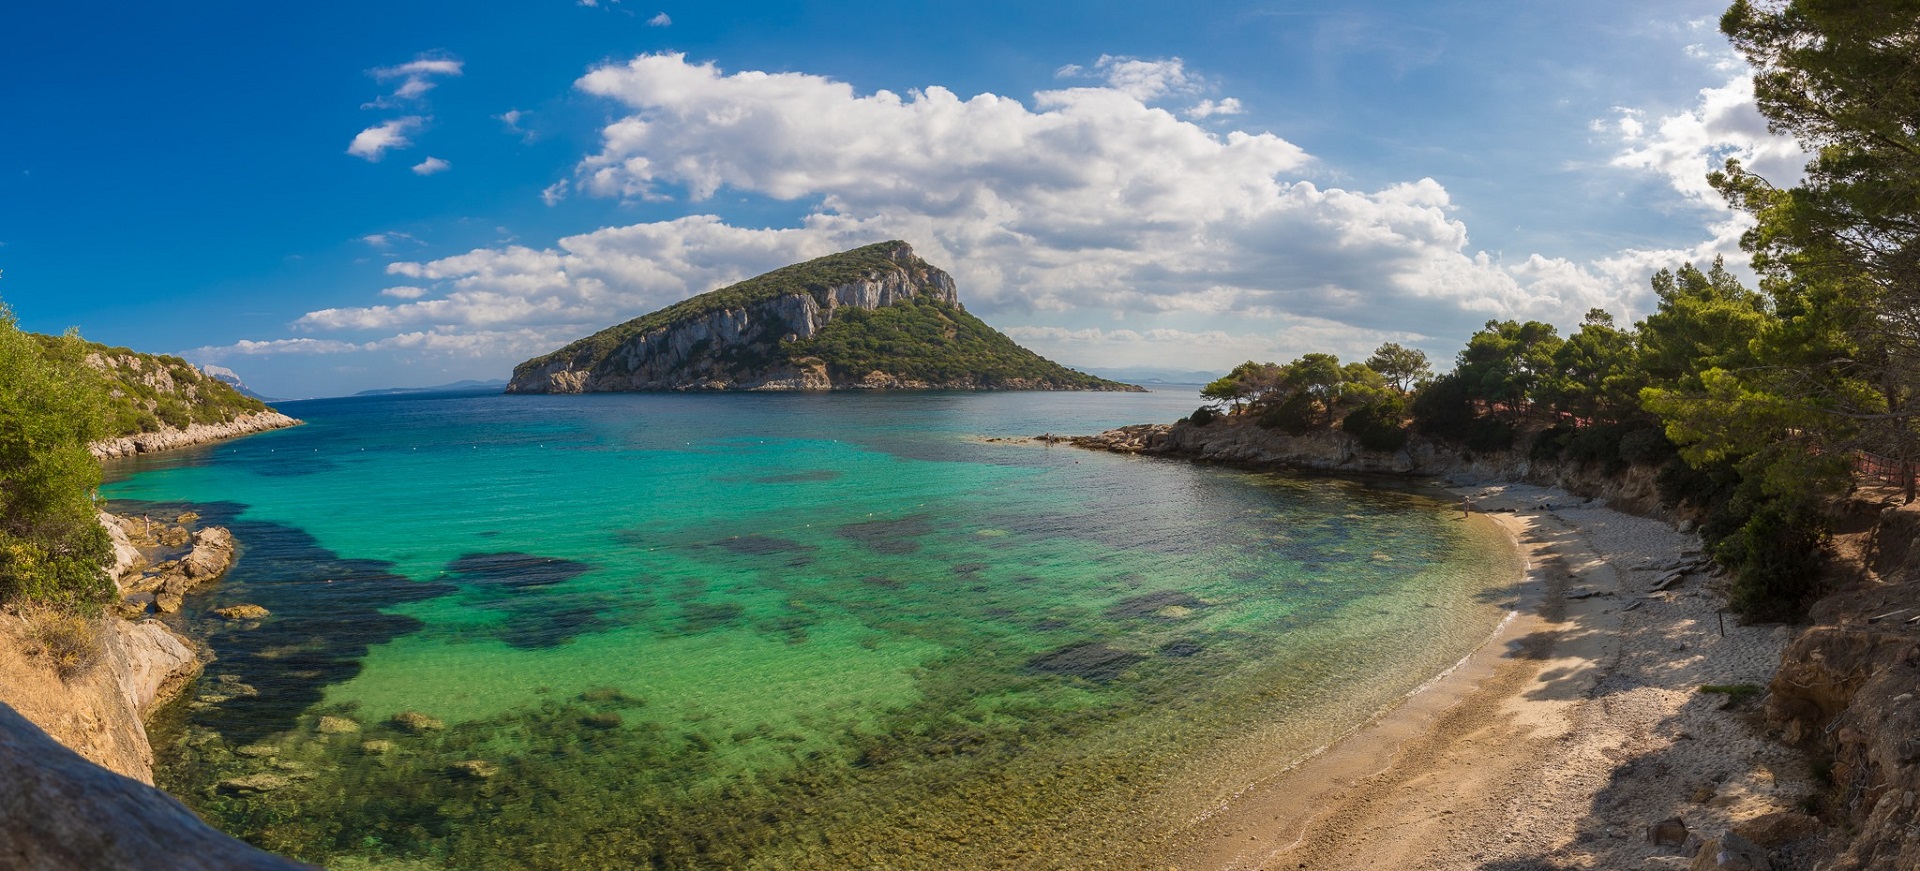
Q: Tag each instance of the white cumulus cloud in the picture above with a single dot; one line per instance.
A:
(660, 20)
(416, 78)
(1079, 205)
(374, 142)
(430, 166)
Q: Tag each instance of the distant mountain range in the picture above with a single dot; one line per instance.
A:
(465, 386)
(1151, 375)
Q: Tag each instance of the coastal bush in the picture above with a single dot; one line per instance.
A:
(1776, 553)
(69, 641)
(1379, 425)
(1294, 416)
(52, 549)
(1203, 415)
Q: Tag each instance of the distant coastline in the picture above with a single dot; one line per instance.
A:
(170, 438)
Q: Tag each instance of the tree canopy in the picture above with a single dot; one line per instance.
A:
(52, 547)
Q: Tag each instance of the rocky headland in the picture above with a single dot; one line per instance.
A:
(873, 318)
(1677, 737)
(169, 437)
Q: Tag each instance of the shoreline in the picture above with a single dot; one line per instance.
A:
(1536, 747)
(195, 434)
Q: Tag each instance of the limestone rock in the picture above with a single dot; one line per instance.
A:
(60, 812)
(1775, 829)
(416, 722)
(200, 433)
(475, 769)
(254, 783)
(338, 726)
(211, 556)
(167, 601)
(242, 612)
(150, 662)
(378, 746)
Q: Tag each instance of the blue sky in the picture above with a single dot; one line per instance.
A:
(357, 195)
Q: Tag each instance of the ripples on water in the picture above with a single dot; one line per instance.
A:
(779, 631)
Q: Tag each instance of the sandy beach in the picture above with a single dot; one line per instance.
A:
(1558, 742)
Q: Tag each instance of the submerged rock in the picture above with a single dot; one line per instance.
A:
(475, 769)
(1092, 660)
(254, 783)
(338, 726)
(242, 612)
(416, 722)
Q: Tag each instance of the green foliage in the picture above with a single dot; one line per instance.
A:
(52, 548)
(1403, 368)
(144, 392)
(1736, 693)
(929, 340)
(1775, 553)
(1503, 366)
(1203, 415)
(1293, 415)
(1379, 421)
(1248, 382)
(1596, 373)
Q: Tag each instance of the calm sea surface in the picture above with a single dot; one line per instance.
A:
(779, 631)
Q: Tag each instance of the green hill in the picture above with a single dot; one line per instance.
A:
(873, 317)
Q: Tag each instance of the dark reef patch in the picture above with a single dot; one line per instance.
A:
(698, 617)
(1091, 660)
(814, 476)
(892, 537)
(1182, 647)
(327, 613)
(514, 570)
(761, 545)
(883, 582)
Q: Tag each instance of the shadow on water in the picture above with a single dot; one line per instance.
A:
(327, 613)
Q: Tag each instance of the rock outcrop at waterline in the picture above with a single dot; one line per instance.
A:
(59, 812)
(168, 438)
(877, 317)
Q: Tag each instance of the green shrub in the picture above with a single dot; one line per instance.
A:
(1203, 415)
(1293, 416)
(1378, 426)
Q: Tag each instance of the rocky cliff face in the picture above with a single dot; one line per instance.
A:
(1241, 442)
(168, 438)
(1848, 689)
(757, 335)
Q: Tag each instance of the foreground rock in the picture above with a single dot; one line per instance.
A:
(195, 434)
(60, 812)
(1849, 690)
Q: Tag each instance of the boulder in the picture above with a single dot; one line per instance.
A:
(1670, 832)
(254, 783)
(338, 726)
(1731, 852)
(211, 556)
(242, 612)
(1775, 829)
(474, 769)
(416, 722)
(60, 812)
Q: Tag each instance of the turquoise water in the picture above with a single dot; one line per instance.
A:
(779, 631)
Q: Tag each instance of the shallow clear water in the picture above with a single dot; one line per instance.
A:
(780, 631)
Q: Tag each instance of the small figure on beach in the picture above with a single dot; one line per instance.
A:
(1466, 507)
